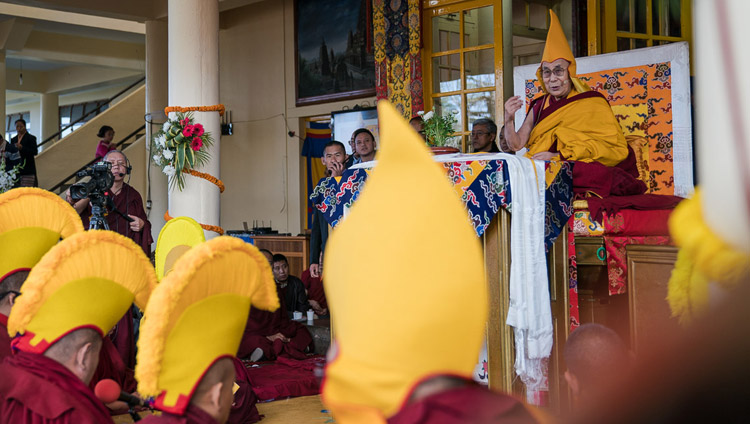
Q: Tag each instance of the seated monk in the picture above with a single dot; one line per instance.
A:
(71, 298)
(413, 363)
(316, 295)
(192, 329)
(177, 237)
(270, 334)
(25, 238)
(570, 121)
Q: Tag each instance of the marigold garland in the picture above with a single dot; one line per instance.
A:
(703, 257)
(208, 177)
(214, 228)
(215, 108)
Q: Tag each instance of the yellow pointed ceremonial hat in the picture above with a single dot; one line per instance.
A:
(32, 220)
(88, 280)
(197, 315)
(557, 47)
(405, 282)
(176, 237)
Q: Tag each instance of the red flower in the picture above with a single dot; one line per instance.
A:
(188, 131)
(185, 122)
(198, 130)
(196, 144)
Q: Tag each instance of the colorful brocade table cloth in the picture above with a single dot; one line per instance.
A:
(480, 180)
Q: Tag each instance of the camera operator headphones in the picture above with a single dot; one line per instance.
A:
(128, 168)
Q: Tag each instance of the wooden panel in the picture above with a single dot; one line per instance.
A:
(559, 302)
(591, 251)
(500, 348)
(295, 248)
(649, 269)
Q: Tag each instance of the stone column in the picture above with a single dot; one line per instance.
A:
(50, 116)
(156, 101)
(194, 81)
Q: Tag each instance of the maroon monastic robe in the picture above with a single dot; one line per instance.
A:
(4, 337)
(244, 410)
(314, 287)
(35, 389)
(263, 323)
(129, 202)
(193, 415)
(471, 403)
(112, 367)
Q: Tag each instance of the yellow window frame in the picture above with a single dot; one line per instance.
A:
(433, 8)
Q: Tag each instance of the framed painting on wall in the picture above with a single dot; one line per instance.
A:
(333, 50)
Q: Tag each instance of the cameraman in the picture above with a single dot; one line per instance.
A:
(126, 199)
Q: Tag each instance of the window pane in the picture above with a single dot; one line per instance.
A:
(442, 27)
(623, 15)
(639, 44)
(448, 104)
(446, 73)
(623, 44)
(480, 105)
(640, 16)
(675, 19)
(478, 26)
(480, 68)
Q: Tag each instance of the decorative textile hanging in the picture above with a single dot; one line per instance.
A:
(397, 27)
(317, 134)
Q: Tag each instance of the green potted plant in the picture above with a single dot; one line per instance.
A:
(438, 130)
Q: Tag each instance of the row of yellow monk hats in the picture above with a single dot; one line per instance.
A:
(195, 316)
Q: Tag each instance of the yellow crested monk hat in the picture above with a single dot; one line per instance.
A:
(405, 281)
(88, 280)
(557, 47)
(32, 220)
(197, 315)
(177, 236)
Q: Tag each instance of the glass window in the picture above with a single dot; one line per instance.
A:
(478, 26)
(447, 105)
(480, 68)
(445, 32)
(480, 105)
(628, 24)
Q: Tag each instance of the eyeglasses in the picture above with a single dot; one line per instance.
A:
(558, 71)
(479, 133)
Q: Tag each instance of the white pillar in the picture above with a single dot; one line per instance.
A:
(2, 93)
(50, 106)
(721, 62)
(194, 81)
(156, 101)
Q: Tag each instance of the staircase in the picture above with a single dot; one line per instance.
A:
(57, 164)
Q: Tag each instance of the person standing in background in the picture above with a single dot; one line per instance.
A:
(26, 145)
(106, 134)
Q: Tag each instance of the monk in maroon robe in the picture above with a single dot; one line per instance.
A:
(129, 203)
(315, 293)
(39, 388)
(243, 410)
(274, 333)
(455, 400)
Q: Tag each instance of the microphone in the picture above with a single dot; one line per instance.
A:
(120, 174)
(108, 391)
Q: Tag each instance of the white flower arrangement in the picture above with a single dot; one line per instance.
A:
(438, 129)
(8, 178)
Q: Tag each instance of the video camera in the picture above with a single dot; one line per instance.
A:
(101, 181)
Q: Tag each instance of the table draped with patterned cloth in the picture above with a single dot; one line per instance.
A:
(482, 182)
